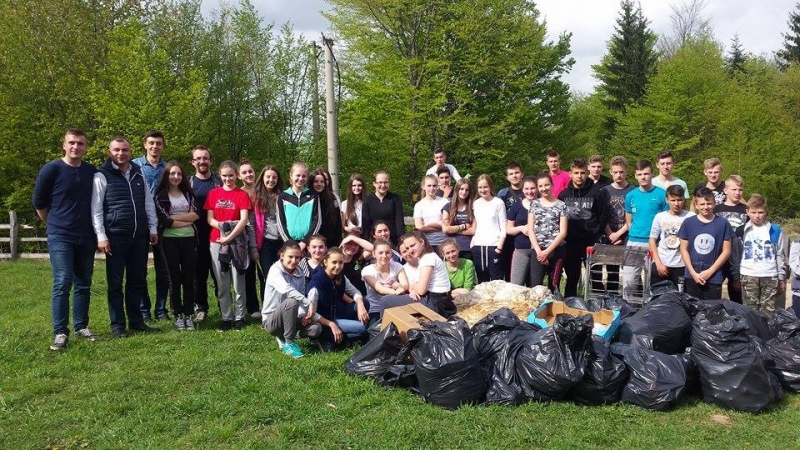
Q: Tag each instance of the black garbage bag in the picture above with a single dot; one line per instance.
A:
(656, 380)
(400, 376)
(606, 375)
(374, 329)
(490, 334)
(616, 303)
(785, 348)
(505, 385)
(732, 364)
(578, 303)
(446, 363)
(662, 287)
(376, 356)
(757, 322)
(550, 362)
(662, 325)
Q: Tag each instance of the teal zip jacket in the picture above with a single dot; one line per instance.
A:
(299, 216)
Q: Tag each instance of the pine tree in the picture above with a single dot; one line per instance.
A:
(630, 62)
(791, 41)
(736, 58)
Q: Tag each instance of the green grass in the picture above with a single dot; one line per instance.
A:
(235, 390)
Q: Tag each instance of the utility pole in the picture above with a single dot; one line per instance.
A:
(314, 91)
(330, 105)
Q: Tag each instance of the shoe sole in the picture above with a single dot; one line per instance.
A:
(57, 349)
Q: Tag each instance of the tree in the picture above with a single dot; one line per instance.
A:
(688, 23)
(478, 79)
(627, 67)
(736, 57)
(791, 41)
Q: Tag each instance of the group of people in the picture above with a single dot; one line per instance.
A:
(328, 268)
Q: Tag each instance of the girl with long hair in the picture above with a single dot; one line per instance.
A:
(547, 229)
(518, 227)
(352, 206)
(490, 231)
(428, 211)
(458, 220)
(247, 175)
(331, 226)
(177, 214)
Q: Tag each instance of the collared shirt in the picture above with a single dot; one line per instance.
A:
(99, 195)
(151, 174)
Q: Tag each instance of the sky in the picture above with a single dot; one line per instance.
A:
(759, 24)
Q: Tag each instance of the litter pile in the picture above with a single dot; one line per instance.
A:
(674, 346)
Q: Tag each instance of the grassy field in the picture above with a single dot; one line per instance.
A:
(235, 390)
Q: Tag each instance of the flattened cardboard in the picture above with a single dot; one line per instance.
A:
(408, 317)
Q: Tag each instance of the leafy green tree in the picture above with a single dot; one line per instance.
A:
(736, 58)
(791, 41)
(477, 79)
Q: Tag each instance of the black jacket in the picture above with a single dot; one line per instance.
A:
(587, 211)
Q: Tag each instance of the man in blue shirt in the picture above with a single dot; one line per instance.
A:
(152, 167)
(641, 207)
(62, 197)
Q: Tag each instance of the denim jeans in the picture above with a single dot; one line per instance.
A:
(128, 260)
(72, 260)
(162, 286)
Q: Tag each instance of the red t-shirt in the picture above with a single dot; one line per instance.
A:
(560, 182)
(226, 206)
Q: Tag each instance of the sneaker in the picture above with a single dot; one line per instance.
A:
(118, 332)
(163, 317)
(225, 325)
(256, 316)
(281, 343)
(238, 325)
(200, 316)
(189, 324)
(60, 342)
(291, 349)
(87, 334)
(328, 346)
(144, 328)
(180, 323)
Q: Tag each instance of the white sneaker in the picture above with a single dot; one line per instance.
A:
(60, 342)
(180, 323)
(87, 334)
(281, 343)
(189, 324)
(200, 316)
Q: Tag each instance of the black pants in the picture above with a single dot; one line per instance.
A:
(181, 257)
(555, 264)
(675, 274)
(734, 294)
(708, 291)
(251, 291)
(203, 270)
(574, 258)
(488, 265)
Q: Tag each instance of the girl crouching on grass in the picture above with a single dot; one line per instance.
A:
(427, 277)
(286, 310)
(461, 271)
(384, 277)
(327, 289)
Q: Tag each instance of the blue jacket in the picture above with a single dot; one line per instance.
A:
(124, 203)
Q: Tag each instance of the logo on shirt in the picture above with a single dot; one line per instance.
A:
(224, 203)
(704, 244)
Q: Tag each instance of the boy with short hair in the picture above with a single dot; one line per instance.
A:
(665, 178)
(712, 169)
(705, 246)
(596, 172)
(762, 263)
(641, 206)
(734, 211)
(510, 195)
(561, 178)
(664, 242)
(616, 232)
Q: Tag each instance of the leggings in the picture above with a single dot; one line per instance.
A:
(555, 264)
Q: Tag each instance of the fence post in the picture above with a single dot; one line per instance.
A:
(14, 235)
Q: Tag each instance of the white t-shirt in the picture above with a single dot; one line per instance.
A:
(490, 221)
(453, 171)
(665, 230)
(343, 209)
(374, 296)
(439, 282)
(430, 211)
(758, 253)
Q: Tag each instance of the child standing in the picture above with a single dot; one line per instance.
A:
(228, 206)
(734, 210)
(664, 242)
(762, 263)
(286, 310)
(461, 271)
(705, 246)
(490, 231)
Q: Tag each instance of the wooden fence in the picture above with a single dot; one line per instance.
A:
(15, 240)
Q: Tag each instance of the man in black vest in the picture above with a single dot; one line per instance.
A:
(124, 219)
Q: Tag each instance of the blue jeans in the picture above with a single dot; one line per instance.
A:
(128, 259)
(72, 260)
(161, 269)
(353, 330)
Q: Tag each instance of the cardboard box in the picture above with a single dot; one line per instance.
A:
(408, 317)
(606, 321)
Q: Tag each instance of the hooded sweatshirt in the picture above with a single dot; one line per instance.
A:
(587, 211)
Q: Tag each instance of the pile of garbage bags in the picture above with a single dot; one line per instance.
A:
(674, 346)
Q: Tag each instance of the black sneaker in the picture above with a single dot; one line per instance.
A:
(59, 342)
(238, 324)
(118, 333)
(225, 325)
(144, 328)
